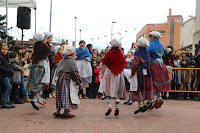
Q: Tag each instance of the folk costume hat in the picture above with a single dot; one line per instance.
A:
(39, 37)
(48, 34)
(156, 34)
(114, 59)
(68, 50)
(116, 42)
(142, 42)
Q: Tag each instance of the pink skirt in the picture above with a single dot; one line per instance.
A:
(160, 77)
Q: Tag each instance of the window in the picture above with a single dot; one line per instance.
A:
(161, 32)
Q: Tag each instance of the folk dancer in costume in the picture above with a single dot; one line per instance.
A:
(84, 67)
(113, 64)
(160, 77)
(39, 77)
(140, 65)
(131, 83)
(68, 83)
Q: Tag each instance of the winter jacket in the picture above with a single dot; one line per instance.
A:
(5, 70)
(16, 69)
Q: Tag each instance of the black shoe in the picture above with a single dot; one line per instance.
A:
(116, 112)
(139, 110)
(130, 102)
(18, 101)
(34, 106)
(126, 102)
(103, 98)
(144, 109)
(108, 112)
(8, 106)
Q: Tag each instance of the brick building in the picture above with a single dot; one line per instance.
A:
(169, 30)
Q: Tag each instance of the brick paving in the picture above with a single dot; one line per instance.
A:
(174, 117)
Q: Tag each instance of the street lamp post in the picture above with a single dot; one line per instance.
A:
(75, 29)
(80, 34)
(112, 29)
(50, 16)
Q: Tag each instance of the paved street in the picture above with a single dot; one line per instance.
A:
(173, 117)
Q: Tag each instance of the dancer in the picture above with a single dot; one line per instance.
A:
(160, 77)
(84, 67)
(131, 83)
(140, 65)
(66, 77)
(113, 64)
(39, 75)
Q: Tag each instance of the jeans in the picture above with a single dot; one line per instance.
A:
(6, 83)
(22, 86)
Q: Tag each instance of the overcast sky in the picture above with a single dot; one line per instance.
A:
(94, 18)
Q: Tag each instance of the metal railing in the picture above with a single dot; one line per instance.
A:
(192, 79)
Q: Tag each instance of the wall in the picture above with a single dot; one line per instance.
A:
(187, 31)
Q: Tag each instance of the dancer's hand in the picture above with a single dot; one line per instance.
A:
(75, 57)
(86, 58)
(131, 76)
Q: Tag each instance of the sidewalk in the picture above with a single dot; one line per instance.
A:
(173, 117)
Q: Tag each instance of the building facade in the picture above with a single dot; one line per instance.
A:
(187, 31)
(170, 30)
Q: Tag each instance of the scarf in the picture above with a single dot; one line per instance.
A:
(67, 64)
(115, 60)
(156, 49)
(82, 53)
(143, 53)
(57, 58)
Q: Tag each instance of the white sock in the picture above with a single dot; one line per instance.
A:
(35, 98)
(109, 102)
(58, 110)
(116, 103)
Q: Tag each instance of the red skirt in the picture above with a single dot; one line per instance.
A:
(160, 77)
(144, 93)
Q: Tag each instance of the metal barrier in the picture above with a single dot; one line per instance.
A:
(193, 73)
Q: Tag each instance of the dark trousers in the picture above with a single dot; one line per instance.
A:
(94, 87)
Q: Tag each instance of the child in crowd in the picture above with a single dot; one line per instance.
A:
(84, 67)
(22, 93)
(66, 77)
(184, 75)
(5, 74)
(131, 83)
(94, 86)
(113, 64)
(16, 78)
(58, 51)
(39, 73)
(140, 65)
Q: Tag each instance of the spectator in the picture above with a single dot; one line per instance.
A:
(168, 57)
(18, 49)
(94, 86)
(5, 74)
(189, 54)
(58, 51)
(16, 78)
(90, 47)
